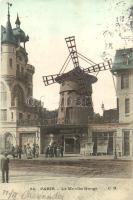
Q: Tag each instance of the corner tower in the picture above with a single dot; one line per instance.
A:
(16, 85)
(123, 70)
(8, 49)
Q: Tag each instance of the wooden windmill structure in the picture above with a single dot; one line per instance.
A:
(75, 106)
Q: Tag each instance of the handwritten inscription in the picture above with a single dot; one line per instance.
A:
(10, 194)
(32, 195)
(46, 193)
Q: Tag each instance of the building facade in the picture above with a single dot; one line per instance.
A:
(20, 113)
(114, 134)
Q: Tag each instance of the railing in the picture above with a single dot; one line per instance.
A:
(53, 122)
(28, 123)
(45, 122)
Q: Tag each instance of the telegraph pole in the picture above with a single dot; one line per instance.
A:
(115, 155)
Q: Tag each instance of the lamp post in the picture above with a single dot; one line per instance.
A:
(115, 155)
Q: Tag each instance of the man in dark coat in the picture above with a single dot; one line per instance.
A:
(19, 152)
(34, 150)
(5, 168)
(61, 150)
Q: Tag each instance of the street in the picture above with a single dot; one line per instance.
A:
(77, 167)
(69, 178)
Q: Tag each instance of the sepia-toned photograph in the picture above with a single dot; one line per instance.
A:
(66, 100)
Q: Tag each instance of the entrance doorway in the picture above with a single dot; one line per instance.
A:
(69, 145)
(72, 145)
(27, 138)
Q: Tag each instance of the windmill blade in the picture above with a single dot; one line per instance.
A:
(50, 79)
(71, 44)
(99, 67)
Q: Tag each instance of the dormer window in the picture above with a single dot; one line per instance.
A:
(126, 58)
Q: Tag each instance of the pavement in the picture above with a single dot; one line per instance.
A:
(72, 177)
(51, 186)
(79, 157)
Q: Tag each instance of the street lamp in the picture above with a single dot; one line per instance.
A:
(115, 155)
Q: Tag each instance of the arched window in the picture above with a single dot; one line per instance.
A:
(17, 96)
(62, 102)
(10, 62)
(3, 95)
(68, 101)
(8, 141)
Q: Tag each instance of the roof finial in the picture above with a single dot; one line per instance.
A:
(9, 5)
(17, 21)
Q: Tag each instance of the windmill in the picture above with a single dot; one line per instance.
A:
(75, 104)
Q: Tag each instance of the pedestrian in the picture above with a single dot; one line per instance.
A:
(58, 151)
(51, 151)
(13, 151)
(55, 150)
(61, 150)
(37, 151)
(29, 152)
(24, 150)
(34, 150)
(19, 152)
(16, 151)
(47, 151)
(5, 168)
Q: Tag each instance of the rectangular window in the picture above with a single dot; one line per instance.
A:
(127, 106)
(20, 58)
(124, 81)
(3, 114)
(20, 115)
(3, 99)
(12, 115)
(18, 67)
(10, 62)
(28, 116)
(22, 70)
(17, 71)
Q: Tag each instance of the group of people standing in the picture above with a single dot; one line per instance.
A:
(16, 151)
(31, 152)
(54, 151)
(28, 151)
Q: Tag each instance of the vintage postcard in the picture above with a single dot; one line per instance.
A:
(66, 100)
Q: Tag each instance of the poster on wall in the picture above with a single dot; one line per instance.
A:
(66, 93)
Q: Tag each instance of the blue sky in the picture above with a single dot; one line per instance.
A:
(48, 22)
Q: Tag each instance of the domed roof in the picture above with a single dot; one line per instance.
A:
(20, 34)
(7, 35)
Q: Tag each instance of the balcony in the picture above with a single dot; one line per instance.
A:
(28, 123)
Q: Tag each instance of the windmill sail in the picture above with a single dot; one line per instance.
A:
(50, 79)
(71, 44)
(99, 67)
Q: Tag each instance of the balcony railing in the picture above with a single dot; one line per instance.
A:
(44, 122)
(28, 123)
